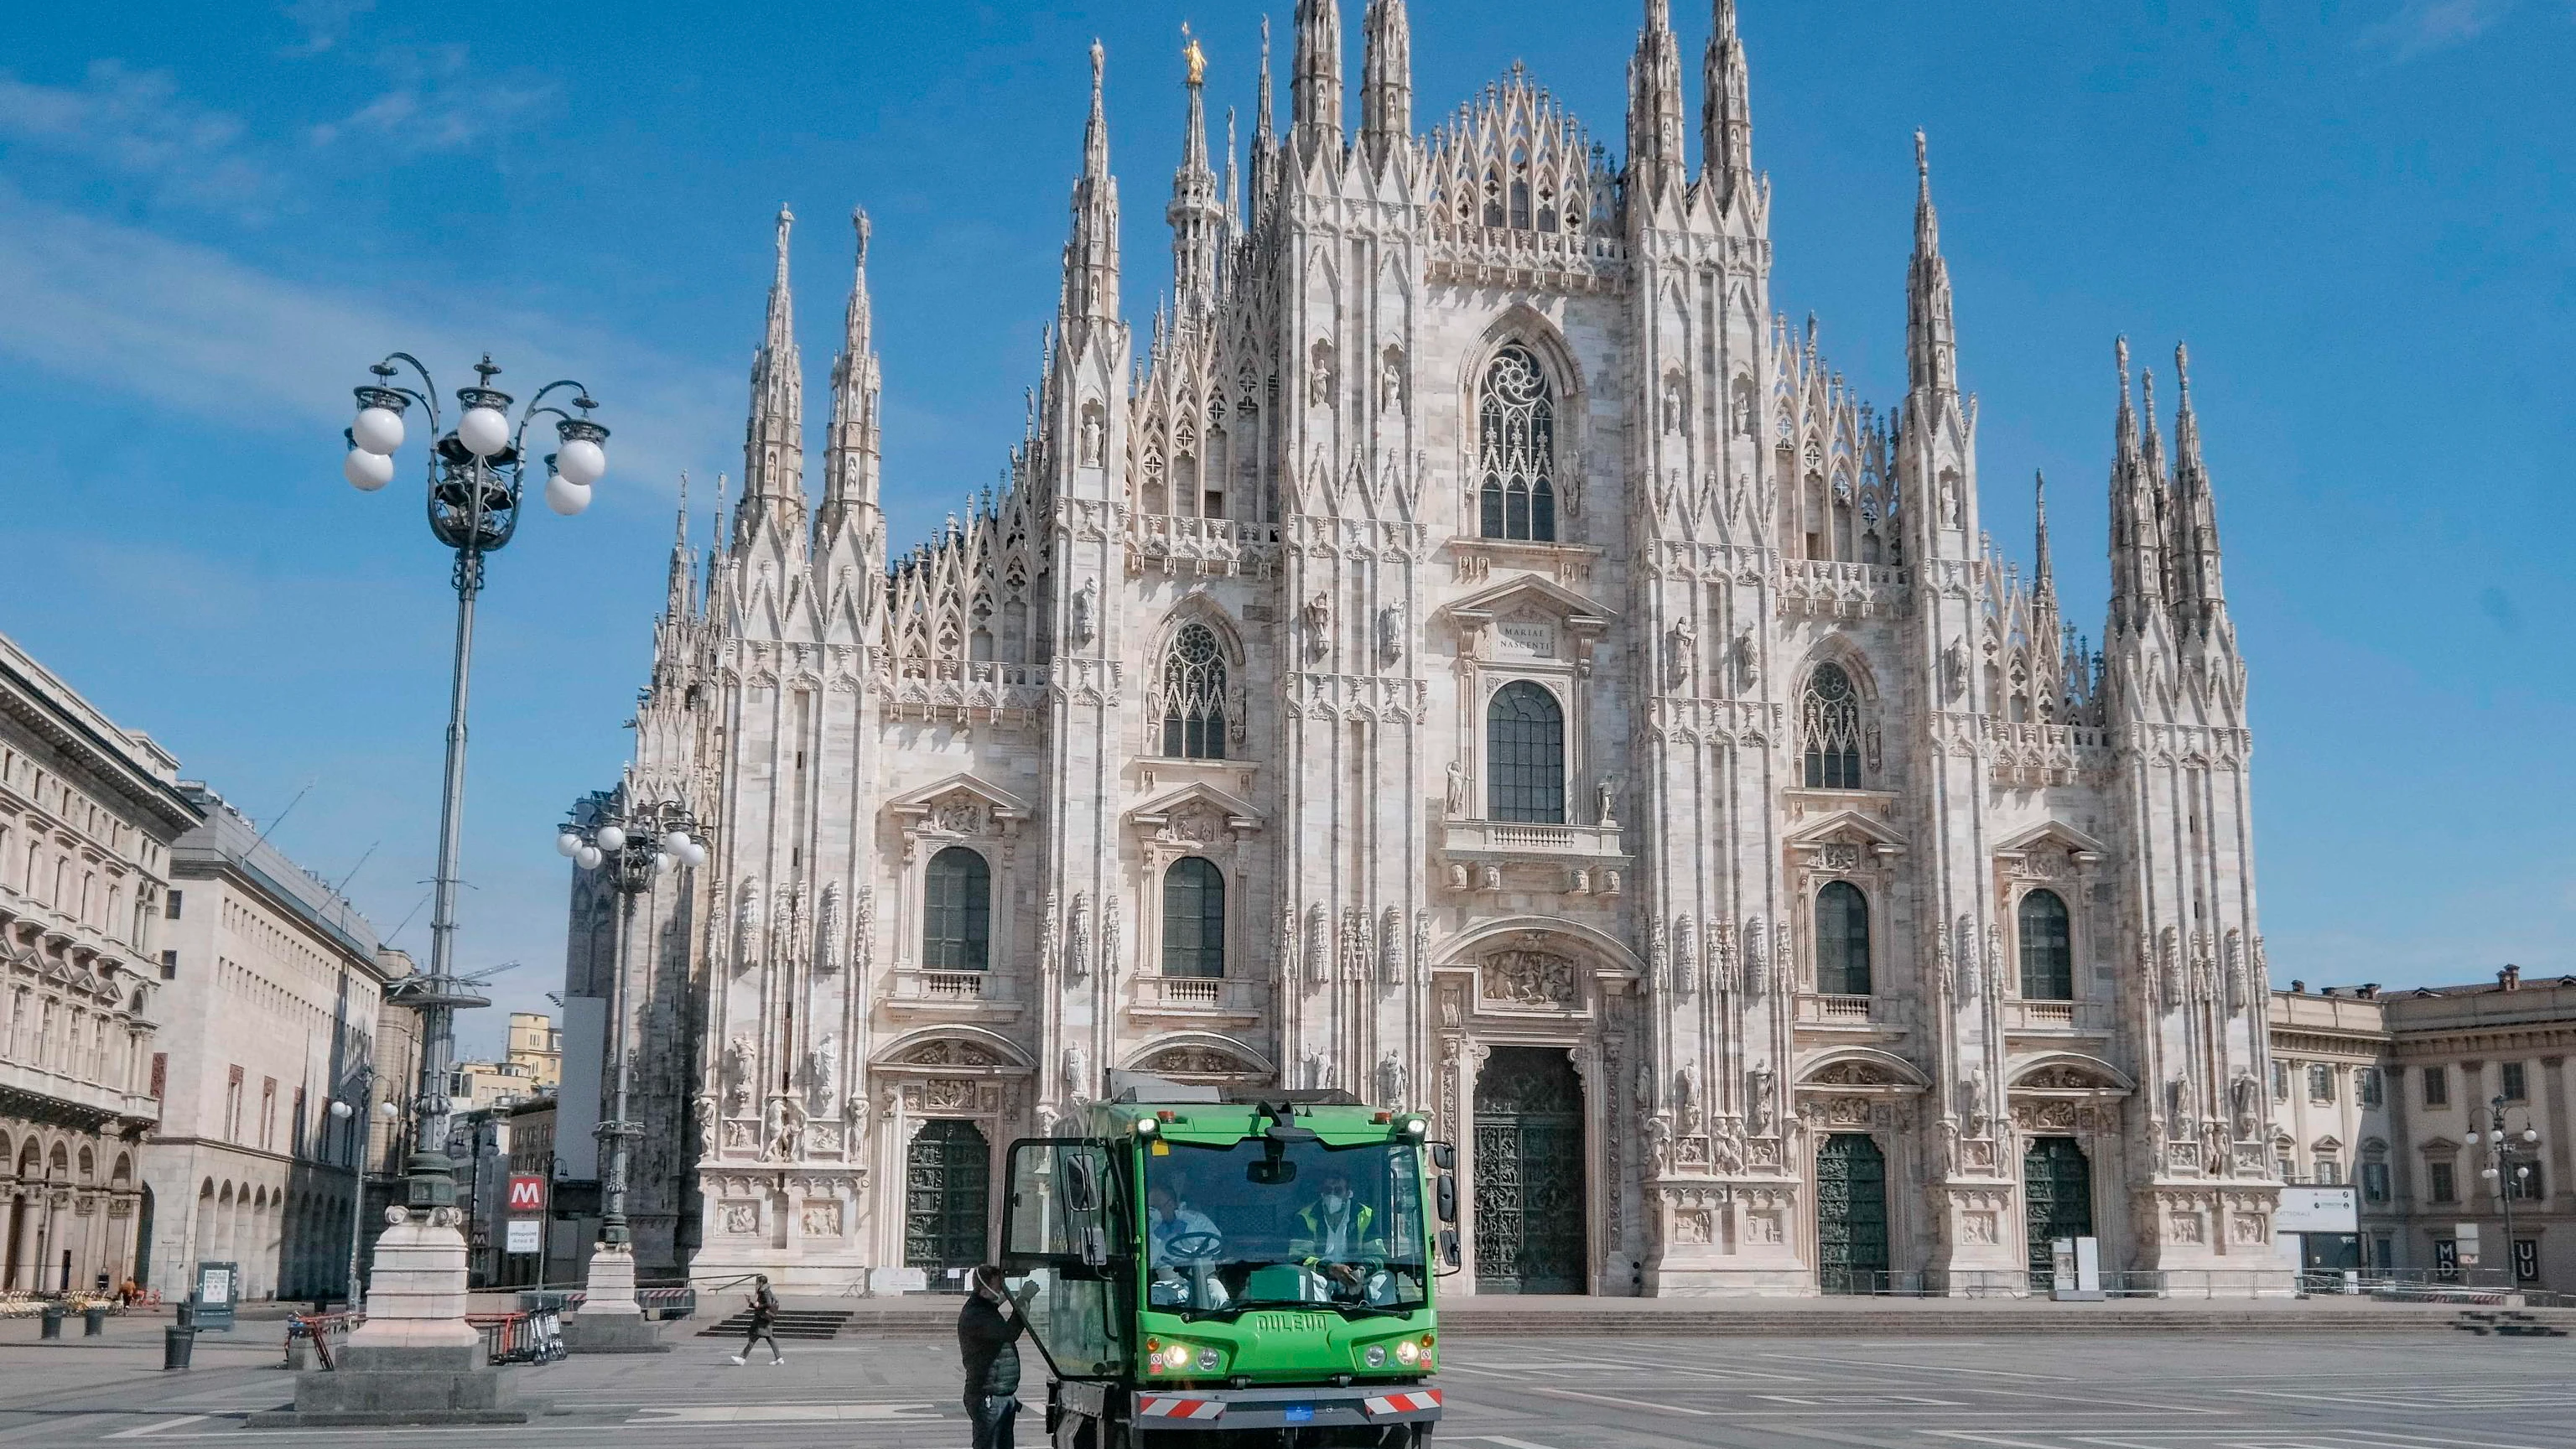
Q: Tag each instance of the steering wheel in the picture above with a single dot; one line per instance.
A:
(1192, 1245)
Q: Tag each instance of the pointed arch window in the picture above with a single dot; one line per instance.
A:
(1194, 918)
(1516, 449)
(1829, 723)
(957, 912)
(1842, 940)
(1194, 696)
(1525, 755)
(2047, 948)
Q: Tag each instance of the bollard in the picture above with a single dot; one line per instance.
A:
(93, 1323)
(52, 1326)
(177, 1343)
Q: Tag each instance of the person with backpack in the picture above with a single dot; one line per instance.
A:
(986, 1329)
(764, 1319)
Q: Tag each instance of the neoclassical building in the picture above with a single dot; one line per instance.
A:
(1473, 652)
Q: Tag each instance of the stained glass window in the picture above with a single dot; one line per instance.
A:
(957, 914)
(1842, 940)
(1829, 721)
(1516, 449)
(1193, 918)
(2047, 949)
(1194, 696)
(1525, 755)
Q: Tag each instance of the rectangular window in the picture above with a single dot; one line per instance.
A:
(160, 1074)
(2374, 1182)
(2320, 1082)
(2368, 1084)
(268, 1114)
(170, 906)
(2516, 1088)
(2383, 1252)
(2446, 1187)
(2280, 1081)
(2527, 1182)
(169, 965)
(233, 1105)
(2437, 1086)
(2329, 1172)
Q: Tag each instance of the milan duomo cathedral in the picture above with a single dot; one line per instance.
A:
(1474, 654)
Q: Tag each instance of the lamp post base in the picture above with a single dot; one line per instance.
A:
(609, 1319)
(415, 1360)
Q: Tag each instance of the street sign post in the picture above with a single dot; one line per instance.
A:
(527, 1235)
(527, 1194)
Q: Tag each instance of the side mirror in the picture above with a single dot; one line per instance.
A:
(1444, 1155)
(1447, 1195)
(1449, 1246)
(1095, 1246)
(1081, 1192)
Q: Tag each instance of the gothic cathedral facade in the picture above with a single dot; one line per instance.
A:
(1481, 658)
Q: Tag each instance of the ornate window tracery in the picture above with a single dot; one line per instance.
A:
(957, 912)
(1829, 724)
(1525, 755)
(1194, 695)
(1193, 918)
(1516, 449)
(2047, 948)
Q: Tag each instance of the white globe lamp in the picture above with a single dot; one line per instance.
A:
(589, 858)
(483, 431)
(582, 460)
(611, 838)
(567, 845)
(377, 430)
(367, 471)
(565, 496)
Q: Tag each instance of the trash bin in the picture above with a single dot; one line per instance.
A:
(177, 1343)
(53, 1321)
(93, 1322)
(187, 1314)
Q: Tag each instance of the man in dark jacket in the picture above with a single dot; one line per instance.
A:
(986, 1329)
(764, 1318)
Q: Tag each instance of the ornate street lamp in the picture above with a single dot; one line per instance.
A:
(362, 1081)
(2505, 1173)
(474, 479)
(630, 847)
(415, 1360)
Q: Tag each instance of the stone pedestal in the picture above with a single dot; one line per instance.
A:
(609, 1320)
(415, 1360)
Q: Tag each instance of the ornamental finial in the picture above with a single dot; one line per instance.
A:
(1191, 53)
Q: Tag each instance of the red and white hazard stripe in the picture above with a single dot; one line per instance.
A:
(1412, 1402)
(1153, 1407)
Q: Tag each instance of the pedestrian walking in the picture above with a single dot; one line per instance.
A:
(986, 1328)
(764, 1318)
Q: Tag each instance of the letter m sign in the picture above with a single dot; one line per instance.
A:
(527, 1194)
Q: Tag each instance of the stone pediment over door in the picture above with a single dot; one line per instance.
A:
(1530, 620)
(1195, 814)
(959, 806)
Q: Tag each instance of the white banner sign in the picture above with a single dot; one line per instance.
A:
(527, 1235)
(2318, 1210)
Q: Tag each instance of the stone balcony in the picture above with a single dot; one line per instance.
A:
(981, 995)
(1205, 547)
(2058, 1018)
(1488, 855)
(1827, 589)
(1830, 1009)
(97, 1103)
(1207, 1000)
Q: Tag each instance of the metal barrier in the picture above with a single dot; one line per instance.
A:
(324, 1332)
(520, 1337)
(667, 1303)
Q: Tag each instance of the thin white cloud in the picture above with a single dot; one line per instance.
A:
(325, 23)
(2422, 26)
(436, 100)
(189, 327)
(136, 124)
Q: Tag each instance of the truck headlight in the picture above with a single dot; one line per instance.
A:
(1374, 1356)
(1177, 1356)
(1407, 1354)
(1208, 1360)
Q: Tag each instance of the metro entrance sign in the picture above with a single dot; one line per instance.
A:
(527, 1194)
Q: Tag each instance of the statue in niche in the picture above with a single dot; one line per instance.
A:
(1681, 643)
(1606, 802)
(1316, 616)
(1686, 1103)
(1457, 800)
(737, 1076)
(1748, 665)
(1761, 1114)
(783, 1132)
(1954, 671)
(821, 1068)
(1086, 604)
(1391, 1081)
(1077, 1076)
(1091, 437)
(1319, 376)
(1390, 635)
(2247, 1095)
(1390, 386)
(1673, 404)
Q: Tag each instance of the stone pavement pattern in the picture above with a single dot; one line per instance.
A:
(2071, 1391)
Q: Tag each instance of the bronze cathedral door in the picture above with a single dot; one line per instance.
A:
(1530, 1205)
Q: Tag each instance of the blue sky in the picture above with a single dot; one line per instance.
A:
(2357, 211)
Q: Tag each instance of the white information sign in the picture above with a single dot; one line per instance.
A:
(2318, 1210)
(527, 1235)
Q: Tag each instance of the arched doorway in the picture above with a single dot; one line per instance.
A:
(2057, 1200)
(1851, 1214)
(1530, 1201)
(947, 1190)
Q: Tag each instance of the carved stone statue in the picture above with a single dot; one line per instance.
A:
(1090, 438)
(1390, 386)
(1606, 802)
(783, 1131)
(829, 932)
(1077, 1075)
(1954, 670)
(746, 924)
(1391, 1081)
(822, 1069)
(1390, 635)
(1457, 798)
(1681, 644)
(1315, 616)
(1659, 1144)
(1082, 628)
(1686, 1103)
(2246, 1096)
(1077, 948)
(737, 1076)
(1761, 1113)
(1748, 663)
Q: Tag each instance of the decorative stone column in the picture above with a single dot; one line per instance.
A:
(415, 1360)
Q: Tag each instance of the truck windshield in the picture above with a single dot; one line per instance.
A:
(1266, 1222)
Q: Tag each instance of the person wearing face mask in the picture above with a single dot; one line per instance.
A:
(1334, 1233)
(987, 1328)
(1185, 1242)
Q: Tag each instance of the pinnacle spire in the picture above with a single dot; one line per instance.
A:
(2043, 575)
(1315, 86)
(773, 469)
(2197, 590)
(1931, 326)
(1091, 253)
(683, 581)
(1726, 114)
(2137, 513)
(1655, 105)
(850, 468)
(1386, 81)
(1197, 217)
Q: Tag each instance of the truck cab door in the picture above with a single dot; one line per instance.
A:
(1066, 1234)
